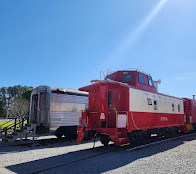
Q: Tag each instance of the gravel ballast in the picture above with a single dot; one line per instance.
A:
(175, 156)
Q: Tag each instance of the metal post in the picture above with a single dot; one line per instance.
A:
(25, 136)
(22, 124)
(28, 118)
(94, 140)
(20, 121)
(34, 127)
(5, 135)
(15, 124)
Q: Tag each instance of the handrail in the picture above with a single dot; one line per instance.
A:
(94, 112)
(13, 126)
(103, 74)
(117, 112)
(138, 70)
(7, 122)
(116, 115)
(109, 72)
(80, 116)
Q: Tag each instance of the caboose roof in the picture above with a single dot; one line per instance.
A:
(97, 83)
(131, 70)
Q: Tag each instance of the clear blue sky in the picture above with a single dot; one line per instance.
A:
(67, 43)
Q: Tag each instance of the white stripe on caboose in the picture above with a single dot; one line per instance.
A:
(138, 102)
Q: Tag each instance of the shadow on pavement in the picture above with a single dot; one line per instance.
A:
(40, 144)
(78, 161)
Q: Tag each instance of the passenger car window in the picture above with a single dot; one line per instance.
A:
(150, 81)
(141, 78)
(127, 77)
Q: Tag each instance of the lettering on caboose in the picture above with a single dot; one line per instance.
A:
(142, 101)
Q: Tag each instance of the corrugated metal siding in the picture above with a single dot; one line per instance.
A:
(66, 109)
(69, 98)
(64, 118)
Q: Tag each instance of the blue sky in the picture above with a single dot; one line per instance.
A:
(67, 43)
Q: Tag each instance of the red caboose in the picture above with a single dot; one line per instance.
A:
(126, 108)
(189, 115)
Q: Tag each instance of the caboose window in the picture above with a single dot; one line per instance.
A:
(172, 107)
(108, 78)
(127, 77)
(109, 99)
(178, 108)
(150, 81)
(155, 105)
(141, 78)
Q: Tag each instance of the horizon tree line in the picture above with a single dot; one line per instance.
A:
(14, 101)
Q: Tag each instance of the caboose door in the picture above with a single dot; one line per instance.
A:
(34, 108)
(111, 110)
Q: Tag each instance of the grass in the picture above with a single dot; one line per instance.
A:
(3, 125)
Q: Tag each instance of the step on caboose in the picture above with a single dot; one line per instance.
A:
(126, 108)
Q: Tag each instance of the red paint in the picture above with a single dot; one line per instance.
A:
(118, 76)
(117, 90)
(148, 120)
(190, 110)
(103, 100)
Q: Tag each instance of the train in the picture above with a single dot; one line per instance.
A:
(126, 108)
(57, 110)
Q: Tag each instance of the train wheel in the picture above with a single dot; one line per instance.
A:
(172, 132)
(132, 139)
(139, 138)
(145, 137)
(194, 127)
(105, 139)
(58, 135)
(176, 131)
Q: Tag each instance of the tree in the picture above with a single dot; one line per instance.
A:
(3, 102)
(19, 107)
(27, 93)
(9, 104)
(2, 110)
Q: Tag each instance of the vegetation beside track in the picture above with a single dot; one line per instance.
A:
(11, 123)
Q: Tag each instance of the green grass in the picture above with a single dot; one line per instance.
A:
(9, 124)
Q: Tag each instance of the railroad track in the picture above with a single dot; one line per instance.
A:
(113, 148)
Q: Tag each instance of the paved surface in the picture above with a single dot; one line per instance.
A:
(176, 156)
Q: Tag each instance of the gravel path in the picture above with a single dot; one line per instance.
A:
(21, 158)
(176, 156)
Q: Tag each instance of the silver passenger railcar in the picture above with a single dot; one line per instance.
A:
(57, 110)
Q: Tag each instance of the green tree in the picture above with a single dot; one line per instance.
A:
(2, 110)
(27, 93)
(8, 95)
(3, 102)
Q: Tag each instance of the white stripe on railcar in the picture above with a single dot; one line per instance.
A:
(139, 101)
